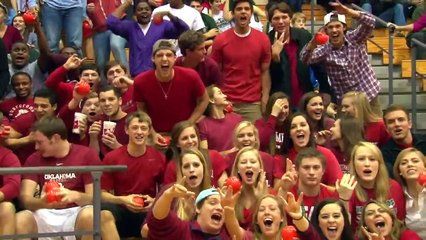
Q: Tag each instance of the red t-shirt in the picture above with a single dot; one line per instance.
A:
(240, 59)
(395, 202)
(267, 130)
(119, 132)
(23, 125)
(56, 82)
(272, 167)
(11, 36)
(127, 103)
(218, 132)
(207, 69)
(375, 132)
(408, 234)
(172, 102)
(9, 184)
(332, 168)
(144, 173)
(217, 163)
(78, 156)
(14, 107)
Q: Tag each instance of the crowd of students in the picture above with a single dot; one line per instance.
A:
(228, 133)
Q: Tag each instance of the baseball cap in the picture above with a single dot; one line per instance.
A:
(163, 44)
(205, 194)
(331, 17)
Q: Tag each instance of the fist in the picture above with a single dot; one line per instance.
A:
(321, 38)
(234, 183)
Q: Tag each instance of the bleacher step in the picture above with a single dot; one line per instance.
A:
(382, 71)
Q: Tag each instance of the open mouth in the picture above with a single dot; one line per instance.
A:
(268, 222)
(92, 114)
(380, 224)
(140, 138)
(332, 231)
(398, 131)
(216, 217)
(367, 171)
(193, 177)
(300, 136)
(249, 174)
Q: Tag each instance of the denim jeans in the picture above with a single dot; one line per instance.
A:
(394, 14)
(106, 42)
(67, 20)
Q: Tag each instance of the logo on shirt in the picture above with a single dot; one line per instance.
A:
(19, 110)
(60, 177)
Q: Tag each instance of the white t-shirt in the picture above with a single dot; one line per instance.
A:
(190, 16)
(415, 219)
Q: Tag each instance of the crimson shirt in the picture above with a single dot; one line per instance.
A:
(14, 107)
(10, 185)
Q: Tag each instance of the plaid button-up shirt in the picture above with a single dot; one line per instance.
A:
(348, 67)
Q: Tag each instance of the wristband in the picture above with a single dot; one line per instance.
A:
(298, 218)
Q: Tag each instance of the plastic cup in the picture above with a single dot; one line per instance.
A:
(77, 118)
(108, 127)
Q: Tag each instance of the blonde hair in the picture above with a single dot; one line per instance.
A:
(181, 209)
(364, 112)
(239, 206)
(256, 229)
(296, 16)
(240, 127)
(401, 155)
(381, 183)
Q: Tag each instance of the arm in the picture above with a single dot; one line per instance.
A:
(161, 208)
(202, 103)
(227, 14)
(11, 183)
(266, 85)
(43, 46)
(80, 198)
(294, 210)
(117, 26)
(232, 225)
(176, 28)
(28, 189)
(121, 9)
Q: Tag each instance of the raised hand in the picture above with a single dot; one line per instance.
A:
(228, 199)
(73, 62)
(321, 136)
(372, 235)
(289, 179)
(345, 186)
(179, 191)
(262, 185)
(293, 207)
(277, 107)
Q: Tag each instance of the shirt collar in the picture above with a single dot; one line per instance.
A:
(195, 228)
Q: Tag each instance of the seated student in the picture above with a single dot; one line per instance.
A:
(380, 222)
(368, 167)
(73, 210)
(192, 46)
(20, 137)
(298, 20)
(23, 101)
(329, 221)
(145, 168)
(217, 125)
(89, 73)
(306, 177)
(208, 223)
(409, 164)
(398, 124)
(9, 187)
(276, 113)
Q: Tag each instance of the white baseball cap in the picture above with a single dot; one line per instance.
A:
(333, 16)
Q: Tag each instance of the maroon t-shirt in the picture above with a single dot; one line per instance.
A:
(207, 69)
(14, 107)
(78, 156)
(267, 130)
(127, 103)
(10, 37)
(10, 185)
(376, 133)
(218, 132)
(56, 82)
(144, 173)
(119, 132)
(172, 102)
(23, 125)
(217, 163)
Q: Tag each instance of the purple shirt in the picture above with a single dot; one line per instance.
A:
(207, 69)
(348, 67)
(419, 24)
(140, 45)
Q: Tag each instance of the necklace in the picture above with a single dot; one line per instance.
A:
(166, 94)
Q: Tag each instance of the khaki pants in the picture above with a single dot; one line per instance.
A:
(249, 111)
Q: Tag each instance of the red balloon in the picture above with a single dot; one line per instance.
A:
(289, 233)
(29, 18)
(321, 38)
(234, 183)
(229, 108)
(87, 29)
(53, 196)
(51, 185)
(83, 88)
(165, 140)
(138, 200)
(158, 19)
(422, 179)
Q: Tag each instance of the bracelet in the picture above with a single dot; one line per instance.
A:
(298, 218)
(345, 200)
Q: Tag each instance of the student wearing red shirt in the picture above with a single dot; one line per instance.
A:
(169, 94)
(356, 104)
(380, 222)
(368, 167)
(145, 168)
(23, 102)
(73, 211)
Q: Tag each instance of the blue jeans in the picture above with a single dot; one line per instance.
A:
(106, 42)
(68, 20)
(394, 14)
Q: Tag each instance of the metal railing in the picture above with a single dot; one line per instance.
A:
(414, 45)
(96, 172)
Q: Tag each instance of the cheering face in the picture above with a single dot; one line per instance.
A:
(348, 107)
(269, 217)
(20, 54)
(91, 77)
(187, 139)
(335, 31)
(411, 166)
(22, 86)
(315, 108)
(280, 21)
(211, 216)
(138, 132)
(18, 23)
(398, 125)
(299, 132)
(377, 219)
(92, 109)
(164, 60)
(336, 132)
(110, 103)
(331, 221)
(310, 172)
(192, 169)
(143, 13)
(246, 137)
(242, 14)
(366, 165)
(42, 107)
(248, 167)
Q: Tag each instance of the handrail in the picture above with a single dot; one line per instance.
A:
(414, 44)
(377, 45)
(391, 32)
(96, 172)
(312, 17)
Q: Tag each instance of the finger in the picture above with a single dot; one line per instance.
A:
(276, 36)
(337, 183)
(288, 165)
(364, 230)
(299, 199)
(182, 181)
